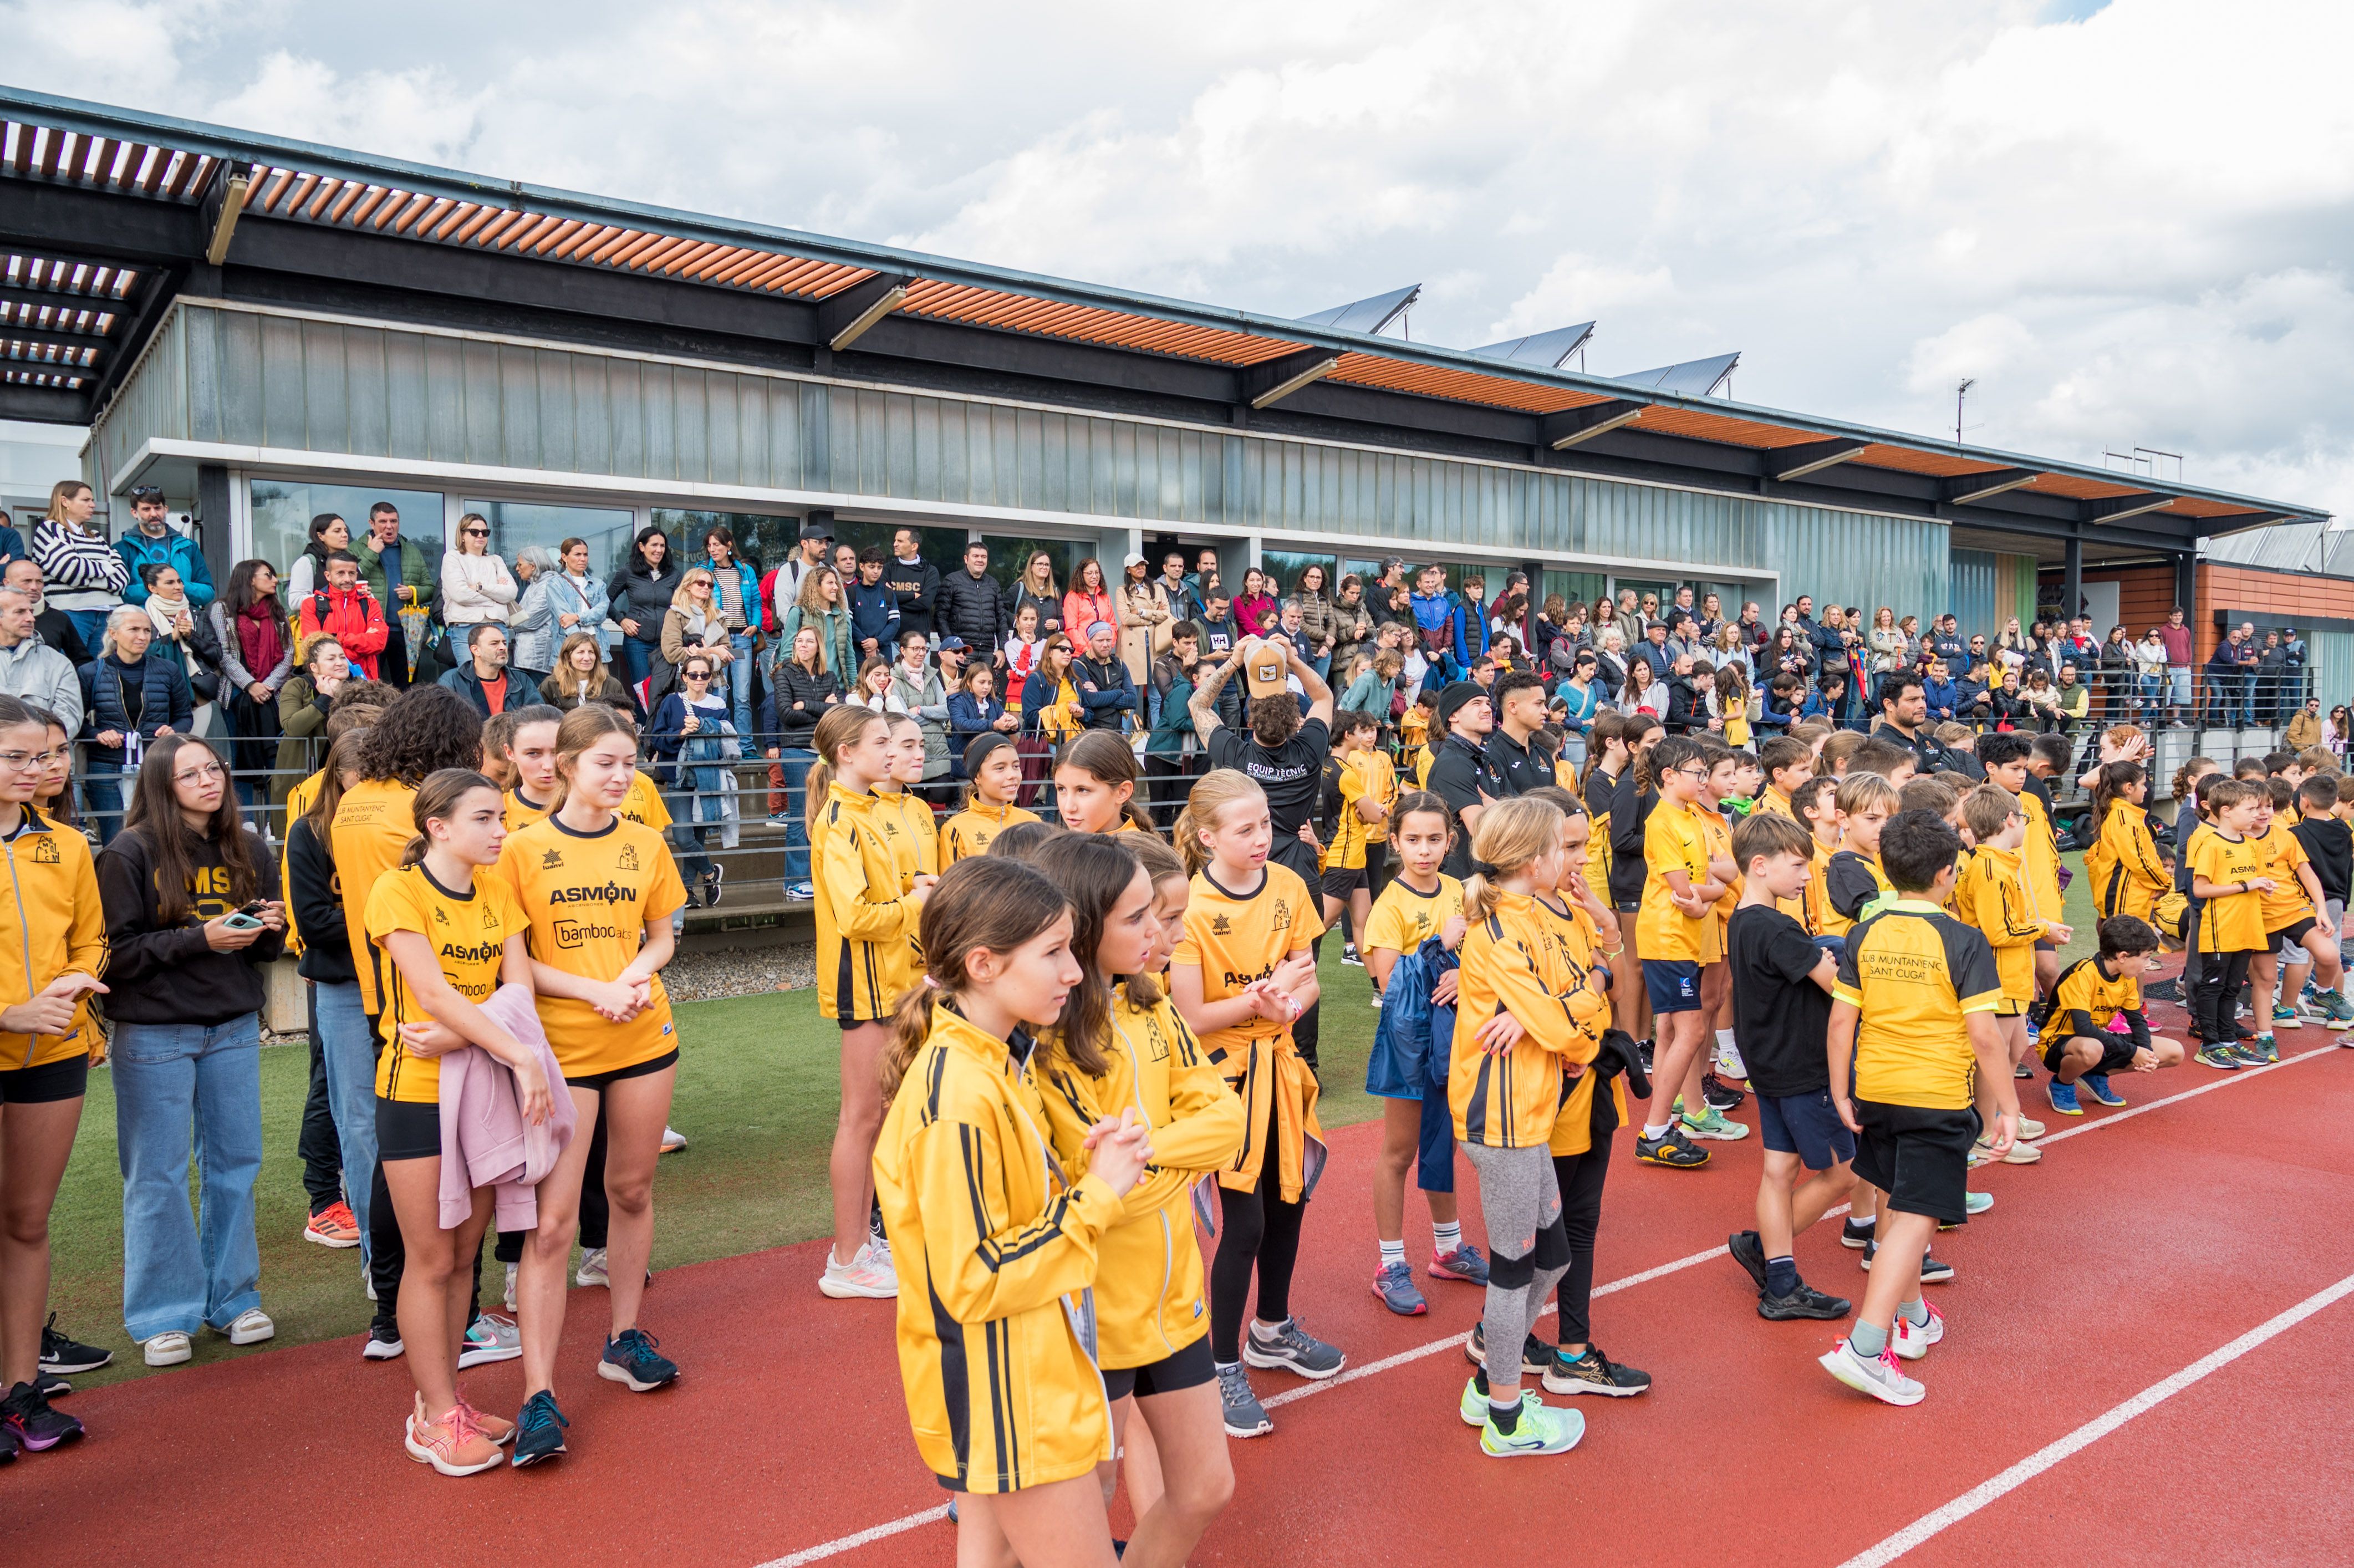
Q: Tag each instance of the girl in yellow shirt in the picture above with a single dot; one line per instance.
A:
(2128, 877)
(450, 936)
(915, 840)
(1094, 786)
(992, 765)
(1245, 971)
(598, 891)
(1000, 1242)
(1120, 1048)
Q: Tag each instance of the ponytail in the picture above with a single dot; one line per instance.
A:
(436, 800)
(1217, 789)
(2108, 784)
(843, 726)
(1103, 755)
(2190, 773)
(1510, 834)
(981, 903)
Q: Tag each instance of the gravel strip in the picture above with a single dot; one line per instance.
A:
(741, 971)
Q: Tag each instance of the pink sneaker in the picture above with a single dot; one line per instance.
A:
(454, 1444)
(866, 1275)
(1465, 1263)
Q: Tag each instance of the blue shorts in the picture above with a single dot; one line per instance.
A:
(1806, 1126)
(1434, 1170)
(1673, 984)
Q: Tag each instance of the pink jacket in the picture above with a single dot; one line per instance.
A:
(484, 1140)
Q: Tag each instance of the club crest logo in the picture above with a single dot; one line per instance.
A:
(1283, 914)
(44, 850)
(441, 915)
(629, 860)
(1221, 927)
(551, 860)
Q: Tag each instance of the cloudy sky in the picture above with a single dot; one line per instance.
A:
(2129, 221)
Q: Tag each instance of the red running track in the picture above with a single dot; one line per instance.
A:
(2145, 1240)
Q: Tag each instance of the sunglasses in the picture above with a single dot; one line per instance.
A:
(695, 675)
(476, 532)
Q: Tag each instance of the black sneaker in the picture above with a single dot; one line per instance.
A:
(38, 1428)
(539, 1430)
(1670, 1148)
(1750, 1253)
(61, 1355)
(383, 1343)
(1806, 1301)
(51, 1384)
(2022, 1071)
(632, 1360)
(1933, 1270)
(1643, 1049)
(1535, 1354)
(1859, 1233)
(1593, 1372)
(2163, 991)
(711, 889)
(7, 1445)
(1349, 956)
(1721, 1096)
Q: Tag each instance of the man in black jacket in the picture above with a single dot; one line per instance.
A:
(1106, 691)
(970, 604)
(915, 580)
(1686, 710)
(1946, 644)
(1462, 773)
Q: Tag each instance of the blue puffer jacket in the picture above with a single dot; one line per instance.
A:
(164, 699)
(175, 550)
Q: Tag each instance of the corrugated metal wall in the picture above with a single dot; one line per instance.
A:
(1972, 589)
(2333, 667)
(248, 377)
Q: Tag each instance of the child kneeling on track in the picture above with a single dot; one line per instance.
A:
(998, 1248)
(1243, 975)
(2096, 1026)
(1523, 1009)
(1119, 1046)
(1912, 1018)
(1781, 1013)
(432, 1000)
(1407, 1068)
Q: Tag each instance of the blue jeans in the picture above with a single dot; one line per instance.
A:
(638, 658)
(89, 625)
(796, 761)
(347, 1050)
(739, 684)
(2247, 702)
(102, 794)
(182, 1088)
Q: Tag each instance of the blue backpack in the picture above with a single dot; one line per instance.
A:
(1414, 1043)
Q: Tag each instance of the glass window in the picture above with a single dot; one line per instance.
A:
(763, 538)
(1575, 587)
(282, 510)
(1008, 555)
(514, 524)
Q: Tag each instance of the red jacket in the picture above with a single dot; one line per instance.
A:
(353, 619)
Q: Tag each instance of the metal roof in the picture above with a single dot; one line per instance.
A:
(1694, 377)
(54, 151)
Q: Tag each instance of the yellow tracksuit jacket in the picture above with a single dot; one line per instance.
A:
(1992, 894)
(2128, 878)
(1149, 1298)
(1513, 962)
(865, 923)
(996, 1255)
(1573, 1127)
(53, 920)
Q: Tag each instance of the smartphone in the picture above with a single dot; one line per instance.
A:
(241, 921)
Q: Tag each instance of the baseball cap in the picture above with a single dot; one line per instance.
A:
(952, 644)
(1134, 558)
(1264, 667)
(816, 528)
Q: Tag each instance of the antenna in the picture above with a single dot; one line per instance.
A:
(1960, 392)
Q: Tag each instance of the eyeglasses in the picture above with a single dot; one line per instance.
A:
(18, 761)
(204, 773)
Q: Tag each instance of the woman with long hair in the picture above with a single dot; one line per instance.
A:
(183, 636)
(866, 957)
(433, 990)
(1036, 589)
(695, 623)
(192, 914)
(80, 573)
(531, 626)
(1886, 644)
(1088, 600)
(476, 587)
(1319, 620)
(688, 739)
(600, 996)
(824, 608)
(961, 1173)
(1254, 608)
(576, 599)
(328, 533)
(1050, 697)
(581, 676)
(640, 597)
(47, 1038)
(257, 658)
(1144, 617)
(131, 698)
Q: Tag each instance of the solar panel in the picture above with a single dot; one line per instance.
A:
(1549, 350)
(1692, 378)
(1367, 316)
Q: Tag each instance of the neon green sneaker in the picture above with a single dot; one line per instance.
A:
(1714, 1125)
(1474, 1407)
(1538, 1431)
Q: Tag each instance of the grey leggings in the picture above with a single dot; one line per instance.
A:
(1520, 1202)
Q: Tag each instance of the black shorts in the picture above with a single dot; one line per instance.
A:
(408, 1129)
(1339, 883)
(2290, 938)
(1628, 907)
(1806, 1126)
(597, 1081)
(2046, 945)
(2116, 1050)
(1187, 1368)
(1920, 1157)
(65, 1079)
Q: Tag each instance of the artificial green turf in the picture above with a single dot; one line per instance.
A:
(758, 1088)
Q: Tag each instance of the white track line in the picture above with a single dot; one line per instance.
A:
(1404, 1358)
(2092, 1431)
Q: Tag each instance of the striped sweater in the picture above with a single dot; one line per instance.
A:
(81, 570)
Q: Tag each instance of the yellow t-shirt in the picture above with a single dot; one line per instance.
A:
(469, 931)
(299, 801)
(1673, 840)
(2236, 922)
(971, 830)
(1404, 919)
(523, 812)
(1916, 972)
(373, 826)
(1365, 776)
(589, 897)
(2287, 903)
(644, 803)
(2085, 999)
(1720, 847)
(1234, 937)
(2038, 857)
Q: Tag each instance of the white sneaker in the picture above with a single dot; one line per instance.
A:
(511, 1269)
(1729, 1064)
(490, 1338)
(168, 1348)
(592, 1267)
(253, 1327)
(673, 1141)
(1911, 1341)
(367, 1280)
(1880, 1376)
(2030, 1129)
(866, 1275)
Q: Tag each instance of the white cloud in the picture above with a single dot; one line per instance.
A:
(2131, 228)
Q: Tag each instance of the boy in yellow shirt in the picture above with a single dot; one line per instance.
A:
(1991, 893)
(1675, 933)
(2227, 875)
(2300, 940)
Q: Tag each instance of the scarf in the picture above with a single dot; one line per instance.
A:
(164, 615)
(258, 637)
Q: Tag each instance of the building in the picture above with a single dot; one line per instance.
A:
(268, 329)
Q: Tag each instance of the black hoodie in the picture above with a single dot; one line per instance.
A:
(170, 974)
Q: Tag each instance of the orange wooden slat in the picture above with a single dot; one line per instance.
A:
(612, 241)
(489, 235)
(639, 243)
(352, 194)
(277, 188)
(453, 225)
(101, 162)
(157, 161)
(52, 144)
(406, 211)
(539, 239)
(695, 251)
(586, 235)
(193, 173)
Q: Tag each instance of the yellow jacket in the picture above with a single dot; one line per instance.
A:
(995, 1256)
(2122, 863)
(1513, 962)
(1149, 1299)
(2038, 857)
(1573, 1127)
(1992, 894)
(54, 921)
(865, 923)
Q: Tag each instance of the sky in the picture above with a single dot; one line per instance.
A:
(2128, 222)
